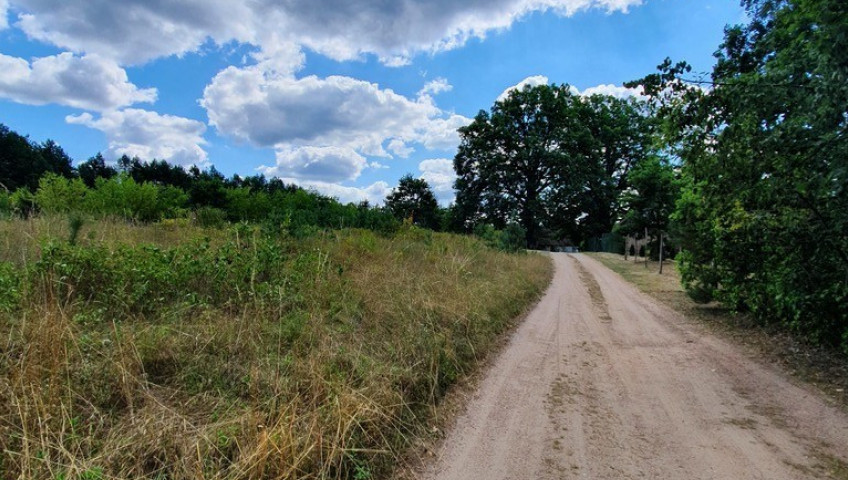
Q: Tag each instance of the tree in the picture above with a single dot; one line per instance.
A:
(94, 168)
(414, 199)
(621, 137)
(549, 160)
(763, 215)
(21, 163)
(57, 160)
(650, 200)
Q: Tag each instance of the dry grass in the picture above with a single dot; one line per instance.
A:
(826, 369)
(326, 367)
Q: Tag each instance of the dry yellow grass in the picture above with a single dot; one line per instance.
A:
(326, 367)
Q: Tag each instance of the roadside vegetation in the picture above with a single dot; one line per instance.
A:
(170, 350)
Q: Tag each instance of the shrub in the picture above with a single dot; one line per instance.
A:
(210, 217)
(510, 239)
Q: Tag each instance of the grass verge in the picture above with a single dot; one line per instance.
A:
(172, 352)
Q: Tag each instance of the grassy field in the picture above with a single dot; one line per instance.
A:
(167, 351)
(826, 369)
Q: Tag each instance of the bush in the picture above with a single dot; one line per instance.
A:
(510, 239)
(58, 194)
(23, 203)
(210, 217)
(10, 287)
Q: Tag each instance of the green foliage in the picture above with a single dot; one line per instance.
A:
(150, 191)
(122, 196)
(75, 223)
(210, 217)
(23, 202)
(510, 239)
(649, 202)
(95, 168)
(651, 198)
(549, 160)
(10, 287)
(145, 280)
(414, 199)
(763, 213)
(5, 204)
(57, 194)
(23, 162)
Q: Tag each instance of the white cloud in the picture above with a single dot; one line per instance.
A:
(439, 174)
(4, 14)
(325, 164)
(617, 91)
(134, 31)
(399, 147)
(441, 133)
(268, 109)
(148, 135)
(435, 87)
(612, 90)
(89, 82)
(375, 193)
(532, 81)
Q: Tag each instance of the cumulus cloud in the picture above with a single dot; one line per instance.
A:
(439, 174)
(89, 82)
(398, 147)
(612, 90)
(135, 31)
(435, 87)
(4, 14)
(375, 193)
(617, 91)
(148, 135)
(258, 105)
(532, 81)
(327, 164)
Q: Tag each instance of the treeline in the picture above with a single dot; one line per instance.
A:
(38, 178)
(41, 178)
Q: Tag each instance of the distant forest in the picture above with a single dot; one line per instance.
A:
(41, 177)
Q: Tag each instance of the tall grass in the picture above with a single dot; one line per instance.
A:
(173, 352)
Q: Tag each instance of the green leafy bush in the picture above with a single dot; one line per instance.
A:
(510, 239)
(10, 287)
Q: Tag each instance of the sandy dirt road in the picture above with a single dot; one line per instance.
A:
(602, 382)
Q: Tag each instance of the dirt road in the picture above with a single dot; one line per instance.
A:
(602, 382)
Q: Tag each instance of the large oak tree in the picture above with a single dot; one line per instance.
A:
(550, 160)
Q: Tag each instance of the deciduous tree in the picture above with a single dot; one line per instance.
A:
(413, 198)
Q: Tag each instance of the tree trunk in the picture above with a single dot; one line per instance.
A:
(647, 244)
(661, 251)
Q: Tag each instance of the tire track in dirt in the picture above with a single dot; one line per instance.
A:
(602, 382)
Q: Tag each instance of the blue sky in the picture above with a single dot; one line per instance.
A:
(343, 96)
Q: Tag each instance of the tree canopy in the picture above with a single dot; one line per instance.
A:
(22, 162)
(763, 217)
(550, 160)
(413, 199)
